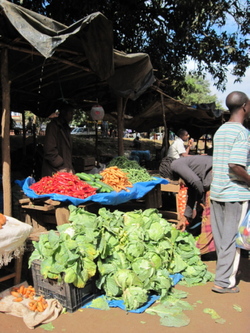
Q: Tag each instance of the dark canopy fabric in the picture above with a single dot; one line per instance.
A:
(50, 62)
(177, 115)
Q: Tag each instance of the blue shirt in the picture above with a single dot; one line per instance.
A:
(231, 145)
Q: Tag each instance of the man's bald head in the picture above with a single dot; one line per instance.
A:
(235, 100)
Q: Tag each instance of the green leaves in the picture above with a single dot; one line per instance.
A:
(134, 297)
(214, 315)
(134, 253)
(70, 274)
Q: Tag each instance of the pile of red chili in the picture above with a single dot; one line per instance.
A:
(63, 183)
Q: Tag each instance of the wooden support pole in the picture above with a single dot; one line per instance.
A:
(6, 165)
(120, 124)
(24, 134)
(166, 134)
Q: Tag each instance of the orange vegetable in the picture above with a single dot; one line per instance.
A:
(34, 306)
(15, 294)
(21, 289)
(2, 220)
(18, 299)
(116, 178)
(182, 200)
(40, 307)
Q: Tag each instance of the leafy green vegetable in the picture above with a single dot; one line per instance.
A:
(214, 315)
(99, 303)
(170, 316)
(134, 297)
(135, 254)
(237, 308)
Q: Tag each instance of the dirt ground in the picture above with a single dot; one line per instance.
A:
(116, 320)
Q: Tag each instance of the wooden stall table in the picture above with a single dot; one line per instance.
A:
(45, 214)
(12, 240)
(39, 213)
(173, 187)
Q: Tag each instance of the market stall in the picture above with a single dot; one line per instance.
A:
(126, 259)
(55, 202)
(47, 62)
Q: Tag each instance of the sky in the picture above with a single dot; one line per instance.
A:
(243, 86)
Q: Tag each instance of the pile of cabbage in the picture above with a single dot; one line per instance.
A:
(131, 254)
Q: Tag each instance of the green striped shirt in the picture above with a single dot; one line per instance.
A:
(231, 145)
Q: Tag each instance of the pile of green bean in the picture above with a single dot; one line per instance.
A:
(134, 171)
(137, 175)
(123, 162)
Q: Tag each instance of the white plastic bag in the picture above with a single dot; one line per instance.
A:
(243, 235)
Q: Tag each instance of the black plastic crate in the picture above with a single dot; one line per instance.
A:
(71, 297)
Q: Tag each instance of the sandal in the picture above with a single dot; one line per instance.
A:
(226, 290)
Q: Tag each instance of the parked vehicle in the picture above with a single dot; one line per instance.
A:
(82, 131)
(78, 131)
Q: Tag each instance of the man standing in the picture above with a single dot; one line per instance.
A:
(230, 190)
(58, 143)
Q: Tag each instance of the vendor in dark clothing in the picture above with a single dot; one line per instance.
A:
(196, 171)
(58, 143)
(137, 143)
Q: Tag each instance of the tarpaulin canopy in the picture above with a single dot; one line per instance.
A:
(50, 62)
(197, 120)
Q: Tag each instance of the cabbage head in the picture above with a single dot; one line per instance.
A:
(134, 297)
(143, 269)
(154, 260)
(155, 232)
(134, 250)
(125, 278)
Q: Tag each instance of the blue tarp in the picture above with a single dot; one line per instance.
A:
(113, 198)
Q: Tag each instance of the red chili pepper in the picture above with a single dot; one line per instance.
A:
(63, 183)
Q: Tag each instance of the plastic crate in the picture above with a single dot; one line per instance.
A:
(71, 297)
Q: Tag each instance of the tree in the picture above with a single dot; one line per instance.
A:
(170, 31)
(197, 91)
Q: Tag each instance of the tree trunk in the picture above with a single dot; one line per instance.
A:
(6, 134)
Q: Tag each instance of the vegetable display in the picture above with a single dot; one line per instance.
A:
(63, 183)
(134, 171)
(116, 178)
(135, 253)
(123, 162)
(94, 180)
(36, 304)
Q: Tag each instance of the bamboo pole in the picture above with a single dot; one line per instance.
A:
(121, 107)
(6, 167)
(33, 52)
(166, 133)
